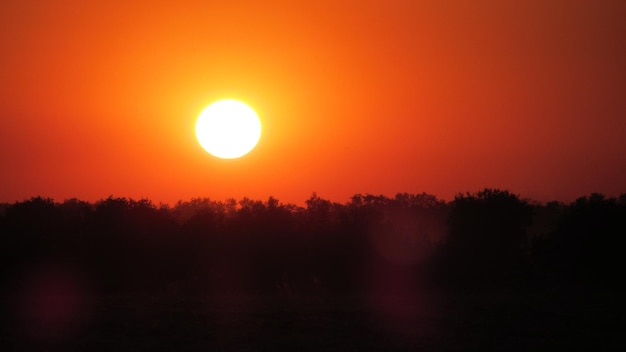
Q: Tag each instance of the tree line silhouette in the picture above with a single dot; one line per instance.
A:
(370, 244)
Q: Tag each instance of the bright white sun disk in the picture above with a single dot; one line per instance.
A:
(228, 129)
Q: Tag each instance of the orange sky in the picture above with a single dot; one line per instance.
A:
(100, 98)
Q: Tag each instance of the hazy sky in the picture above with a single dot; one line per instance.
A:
(100, 98)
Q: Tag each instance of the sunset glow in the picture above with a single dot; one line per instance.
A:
(102, 97)
(326, 175)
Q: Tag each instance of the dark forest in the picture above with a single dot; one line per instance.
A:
(70, 270)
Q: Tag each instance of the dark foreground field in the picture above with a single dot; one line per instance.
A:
(433, 321)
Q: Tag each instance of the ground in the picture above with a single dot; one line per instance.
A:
(427, 321)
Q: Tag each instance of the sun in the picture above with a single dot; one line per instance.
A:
(228, 129)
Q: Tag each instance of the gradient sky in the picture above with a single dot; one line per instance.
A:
(100, 98)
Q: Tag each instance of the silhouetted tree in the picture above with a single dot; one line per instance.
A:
(491, 237)
(486, 242)
(587, 246)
